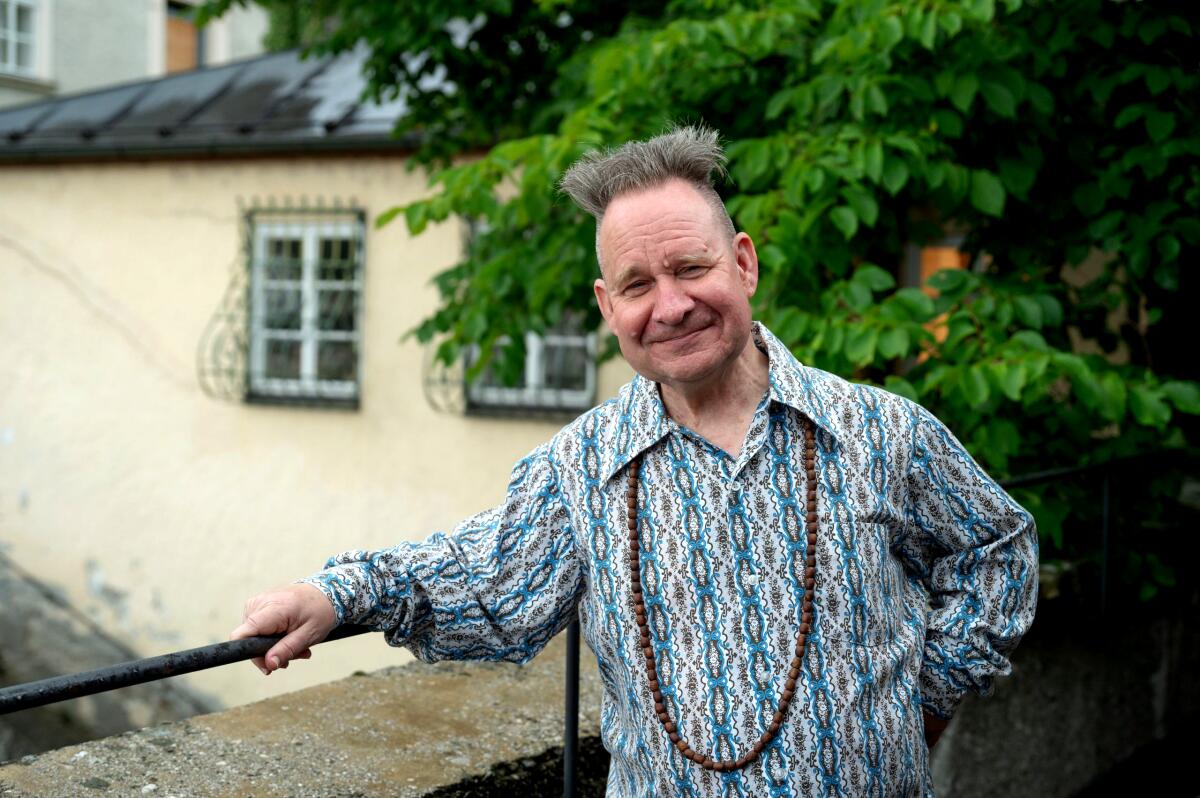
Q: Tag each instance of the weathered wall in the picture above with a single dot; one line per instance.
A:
(156, 510)
(1085, 694)
(41, 633)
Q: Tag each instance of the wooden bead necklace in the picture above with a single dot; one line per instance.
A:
(806, 614)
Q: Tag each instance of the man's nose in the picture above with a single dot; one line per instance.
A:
(672, 303)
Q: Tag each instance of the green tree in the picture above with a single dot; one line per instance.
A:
(1061, 140)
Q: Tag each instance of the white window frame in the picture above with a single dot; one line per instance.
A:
(8, 32)
(307, 386)
(535, 394)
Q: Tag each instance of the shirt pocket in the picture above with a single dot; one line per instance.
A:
(858, 582)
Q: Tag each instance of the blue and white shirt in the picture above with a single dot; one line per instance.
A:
(926, 580)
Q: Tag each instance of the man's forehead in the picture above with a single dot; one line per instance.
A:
(675, 195)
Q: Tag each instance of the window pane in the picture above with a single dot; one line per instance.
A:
(282, 309)
(336, 310)
(283, 259)
(3, 51)
(3, 16)
(24, 56)
(566, 366)
(283, 359)
(336, 360)
(24, 19)
(336, 259)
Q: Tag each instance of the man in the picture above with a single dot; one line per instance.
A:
(780, 572)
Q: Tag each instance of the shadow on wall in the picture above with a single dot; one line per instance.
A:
(44, 636)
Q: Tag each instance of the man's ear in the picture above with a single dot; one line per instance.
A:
(746, 258)
(603, 302)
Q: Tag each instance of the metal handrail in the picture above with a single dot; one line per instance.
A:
(140, 671)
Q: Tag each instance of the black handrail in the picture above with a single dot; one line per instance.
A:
(140, 671)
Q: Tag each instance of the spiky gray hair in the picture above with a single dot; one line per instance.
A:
(691, 153)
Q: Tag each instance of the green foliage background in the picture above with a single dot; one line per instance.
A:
(1049, 134)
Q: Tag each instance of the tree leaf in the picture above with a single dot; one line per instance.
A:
(1012, 380)
(1184, 395)
(894, 342)
(895, 175)
(845, 220)
(889, 33)
(974, 386)
(999, 98)
(901, 387)
(1159, 124)
(963, 91)
(987, 192)
(874, 277)
(1052, 311)
(860, 344)
(864, 205)
(873, 160)
(929, 30)
(917, 304)
(1148, 406)
(1029, 312)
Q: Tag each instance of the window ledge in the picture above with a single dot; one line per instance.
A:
(39, 85)
(325, 403)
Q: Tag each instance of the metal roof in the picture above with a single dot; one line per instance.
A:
(275, 103)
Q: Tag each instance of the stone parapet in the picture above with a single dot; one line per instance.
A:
(415, 730)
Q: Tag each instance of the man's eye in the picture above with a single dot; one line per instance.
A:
(691, 271)
(636, 287)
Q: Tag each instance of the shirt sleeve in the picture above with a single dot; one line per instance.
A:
(975, 550)
(498, 587)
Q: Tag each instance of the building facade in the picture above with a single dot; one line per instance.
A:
(59, 47)
(205, 383)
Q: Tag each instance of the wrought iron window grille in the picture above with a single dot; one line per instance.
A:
(288, 330)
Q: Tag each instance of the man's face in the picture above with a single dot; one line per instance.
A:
(675, 289)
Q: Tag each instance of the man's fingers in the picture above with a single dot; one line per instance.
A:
(246, 629)
(290, 647)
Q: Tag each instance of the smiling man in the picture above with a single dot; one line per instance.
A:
(789, 580)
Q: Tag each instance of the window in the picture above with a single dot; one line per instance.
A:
(559, 375)
(17, 37)
(305, 308)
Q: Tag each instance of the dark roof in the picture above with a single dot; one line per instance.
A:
(274, 103)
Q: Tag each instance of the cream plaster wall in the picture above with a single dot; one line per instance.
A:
(158, 510)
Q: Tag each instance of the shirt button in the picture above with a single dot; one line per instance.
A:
(779, 774)
(751, 579)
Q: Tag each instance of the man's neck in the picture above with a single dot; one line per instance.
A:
(721, 408)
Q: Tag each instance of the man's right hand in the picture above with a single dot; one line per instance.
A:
(300, 612)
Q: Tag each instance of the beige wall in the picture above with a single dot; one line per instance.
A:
(158, 510)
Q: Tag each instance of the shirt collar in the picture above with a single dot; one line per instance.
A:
(643, 419)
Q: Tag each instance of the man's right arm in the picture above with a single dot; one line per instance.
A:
(498, 587)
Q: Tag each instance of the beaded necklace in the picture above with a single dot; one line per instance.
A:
(806, 612)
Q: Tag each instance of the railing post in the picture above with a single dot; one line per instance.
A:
(1104, 542)
(571, 734)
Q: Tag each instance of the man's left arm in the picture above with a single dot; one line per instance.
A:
(975, 550)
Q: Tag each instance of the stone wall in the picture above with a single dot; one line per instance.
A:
(1087, 693)
(450, 729)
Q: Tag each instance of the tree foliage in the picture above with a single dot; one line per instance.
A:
(1059, 140)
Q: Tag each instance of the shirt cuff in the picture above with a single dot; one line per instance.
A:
(941, 692)
(340, 584)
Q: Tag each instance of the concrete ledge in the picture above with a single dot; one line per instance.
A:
(417, 730)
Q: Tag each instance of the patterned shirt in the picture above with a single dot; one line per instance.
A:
(926, 580)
